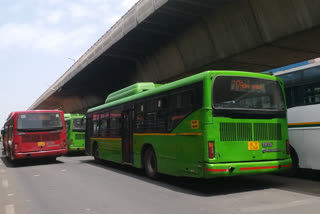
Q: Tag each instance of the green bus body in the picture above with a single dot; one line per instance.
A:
(122, 130)
(75, 137)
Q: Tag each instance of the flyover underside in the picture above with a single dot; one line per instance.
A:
(185, 37)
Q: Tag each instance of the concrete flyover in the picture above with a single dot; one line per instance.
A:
(163, 40)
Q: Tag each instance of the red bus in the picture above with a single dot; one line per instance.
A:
(32, 134)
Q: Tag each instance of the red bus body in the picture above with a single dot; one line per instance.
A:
(23, 143)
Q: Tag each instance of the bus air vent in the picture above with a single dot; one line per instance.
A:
(267, 131)
(243, 131)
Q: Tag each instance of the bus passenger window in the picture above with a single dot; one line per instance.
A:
(67, 125)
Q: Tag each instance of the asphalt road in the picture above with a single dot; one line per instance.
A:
(77, 184)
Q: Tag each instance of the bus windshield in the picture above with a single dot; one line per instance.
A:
(39, 122)
(247, 94)
(79, 125)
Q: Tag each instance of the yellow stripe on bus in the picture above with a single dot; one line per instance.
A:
(301, 124)
(152, 134)
(106, 138)
(168, 134)
(190, 134)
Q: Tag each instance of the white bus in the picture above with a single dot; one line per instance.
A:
(302, 86)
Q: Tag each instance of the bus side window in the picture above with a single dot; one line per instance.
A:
(156, 114)
(139, 117)
(150, 118)
(104, 124)
(67, 125)
(180, 105)
(10, 133)
(115, 123)
(96, 124)
(312, 94)
(162, 113)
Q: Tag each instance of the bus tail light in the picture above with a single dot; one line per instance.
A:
(64, 143)
(211, 149)
(16, 147)
(288, 147)
(71, 142)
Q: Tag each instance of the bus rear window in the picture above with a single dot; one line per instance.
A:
(39, 122)
(246, 93)
(79, 125)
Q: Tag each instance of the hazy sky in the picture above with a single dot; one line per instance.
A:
(39, 39)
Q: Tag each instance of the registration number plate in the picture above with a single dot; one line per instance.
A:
(267, 144)
(253, 145)
(41, 143)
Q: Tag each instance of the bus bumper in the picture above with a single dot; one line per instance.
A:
(246, 168)
(76, 149)
(51, 153)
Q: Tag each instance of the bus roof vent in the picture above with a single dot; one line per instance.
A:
(67, 115)
(131, 90)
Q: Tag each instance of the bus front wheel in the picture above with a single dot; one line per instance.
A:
(150, 164)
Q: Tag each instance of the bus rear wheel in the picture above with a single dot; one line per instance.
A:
(295, 170)
(150, 164)
(11, 157)
(96, 152)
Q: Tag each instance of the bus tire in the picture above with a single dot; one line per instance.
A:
(295, 170)
(7, 154)
(96, 151)
(11, 158)
(52, 159)
(150, 163)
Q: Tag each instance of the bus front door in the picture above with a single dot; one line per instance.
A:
(127, 136)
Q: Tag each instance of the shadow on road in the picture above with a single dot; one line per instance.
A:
(313, 175)
(198, 187)
(75, 154)
(28, 162)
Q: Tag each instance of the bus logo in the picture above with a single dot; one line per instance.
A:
(194, 124)
(253, 145)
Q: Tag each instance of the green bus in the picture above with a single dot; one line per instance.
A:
(75, 128)
(215, 123)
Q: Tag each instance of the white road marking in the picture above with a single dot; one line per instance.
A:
(269, 207)
(5, 183)
(63, 170)
(10, 194)
(36, 175)
(10, 209)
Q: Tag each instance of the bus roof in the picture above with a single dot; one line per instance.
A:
(179, 83)
(69, 116)
(296, 67)
(32, 111)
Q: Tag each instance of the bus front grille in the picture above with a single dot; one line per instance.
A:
(250, 132)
